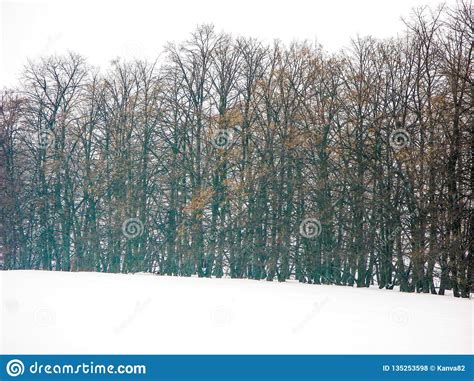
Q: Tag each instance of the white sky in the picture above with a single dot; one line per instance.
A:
(101, 30)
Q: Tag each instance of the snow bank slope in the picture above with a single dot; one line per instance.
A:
(56, 312)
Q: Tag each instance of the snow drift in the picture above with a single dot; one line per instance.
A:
(94, 313)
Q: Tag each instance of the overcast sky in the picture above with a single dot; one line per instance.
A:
(104, 29)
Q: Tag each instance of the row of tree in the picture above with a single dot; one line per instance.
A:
(237, 158)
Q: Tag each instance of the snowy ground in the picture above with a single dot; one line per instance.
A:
(57, 312)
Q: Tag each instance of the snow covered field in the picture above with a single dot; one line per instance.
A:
(92, 313)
